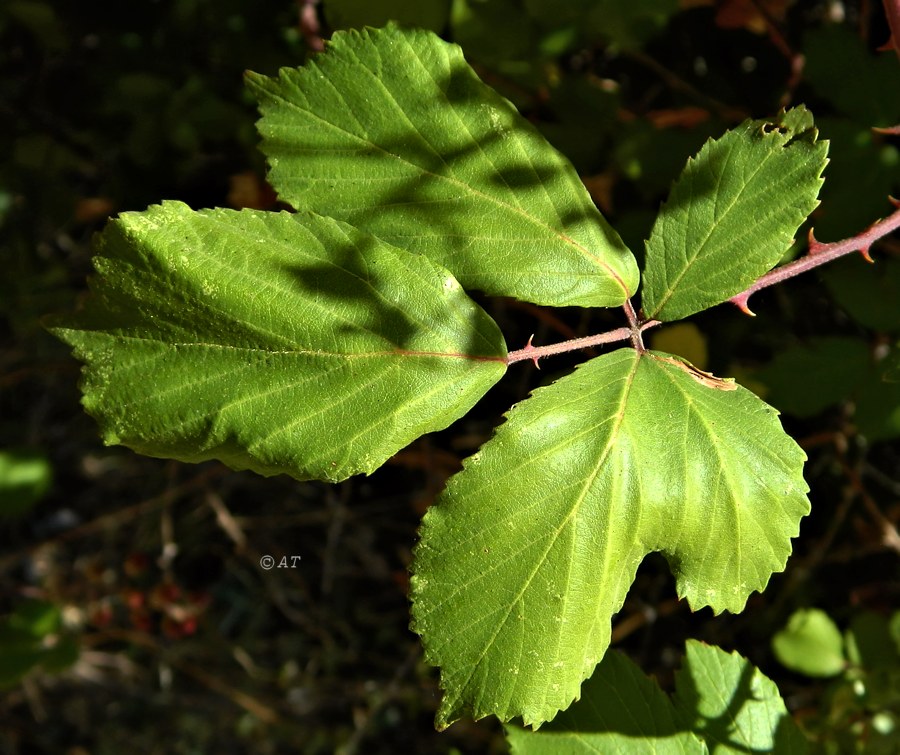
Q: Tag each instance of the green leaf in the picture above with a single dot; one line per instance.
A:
(805, 379)
(722, 704)
(497, 33)
(427, 14)
(25, 477)
(868, 293)
(28, 638)
(878, 405)
(732, 214)
(810, 644)
(862, 172)
(891, 372)
(531, 548)
(621, 22)
(843, 71)
(274, 342)
(35, 618)
(732, 705)
(392, 131)
(620, 710)
(869, 644)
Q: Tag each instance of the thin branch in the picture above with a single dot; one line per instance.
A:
(634, 325)
(819, 254)
(539, 352)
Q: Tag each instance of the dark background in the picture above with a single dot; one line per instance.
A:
(169, 636)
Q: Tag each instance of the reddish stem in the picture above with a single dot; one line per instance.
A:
(819, 254)
(538, 352)
(634, 325)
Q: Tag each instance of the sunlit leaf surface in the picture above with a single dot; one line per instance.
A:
(275, 342)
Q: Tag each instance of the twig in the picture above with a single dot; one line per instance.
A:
(263, 711)
(538, 352)
(120, 516)
(819, 254)
(226, 521)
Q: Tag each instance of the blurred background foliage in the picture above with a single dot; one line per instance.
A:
(133, 610)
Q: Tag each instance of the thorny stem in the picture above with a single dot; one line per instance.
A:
(818, 254)
(634, 326)
(538, 352)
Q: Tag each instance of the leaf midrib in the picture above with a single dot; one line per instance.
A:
(583, 251)
(293, 352)
(619, 415)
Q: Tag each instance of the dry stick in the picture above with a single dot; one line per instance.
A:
(120, 516)
(263, 711)
(818, 254)
(890, 538)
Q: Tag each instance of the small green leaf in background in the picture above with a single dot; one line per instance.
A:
(732, 214)
(892, 365)
(30, 637)
(274, 342)
(623, 23)
(877, 414)
(497, 33)
(530, 550)
(810, 644)
(856, 80)
(392, 131)
(894, 629)
(722, 704)
(806, 379)
(869, 643)
(863, 170)
(869, 293)
(425, 14)
(25, 477)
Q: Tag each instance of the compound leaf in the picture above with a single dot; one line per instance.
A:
(531, 548)
(274, 342)
(732, 214)
(392, 131)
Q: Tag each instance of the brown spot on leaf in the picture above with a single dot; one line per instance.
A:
(704, 378)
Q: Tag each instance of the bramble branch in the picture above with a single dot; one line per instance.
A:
(619, 334)
(819, 254)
